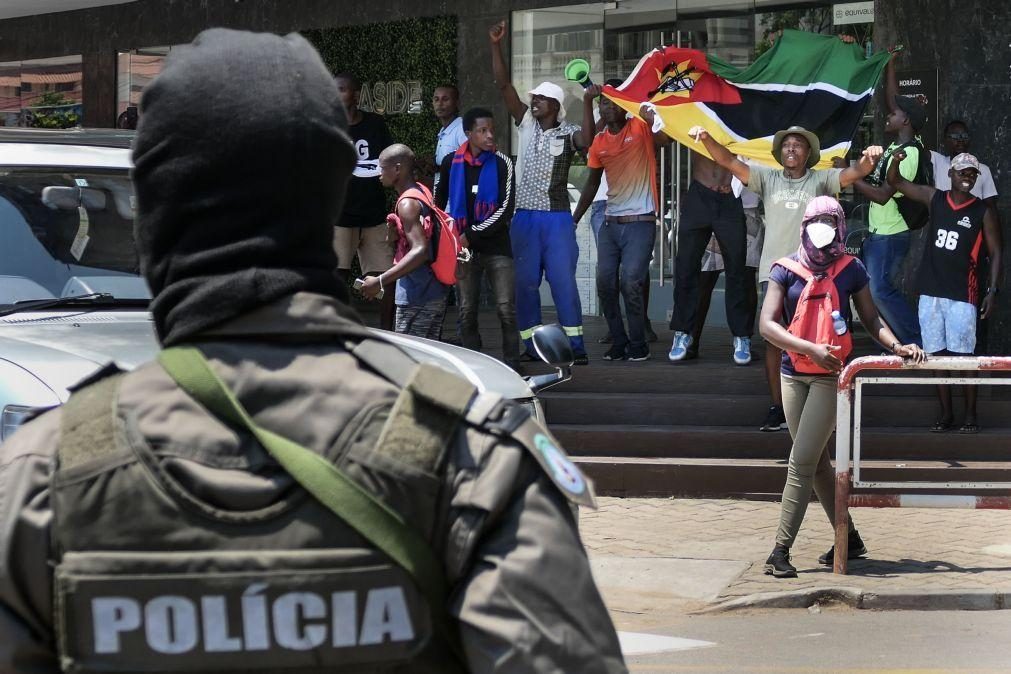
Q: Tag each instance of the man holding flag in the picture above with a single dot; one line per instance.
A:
(818, 83)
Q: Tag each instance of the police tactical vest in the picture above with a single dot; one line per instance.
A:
(180, 586)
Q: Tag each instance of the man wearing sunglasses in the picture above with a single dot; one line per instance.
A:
(956, 141)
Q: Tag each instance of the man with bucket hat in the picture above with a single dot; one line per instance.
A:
(543, 233)
(785, 193)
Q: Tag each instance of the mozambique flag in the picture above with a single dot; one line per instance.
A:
(815, 81)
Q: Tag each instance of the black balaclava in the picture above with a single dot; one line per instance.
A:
(240, 164)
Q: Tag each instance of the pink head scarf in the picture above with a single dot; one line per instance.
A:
(820, 259)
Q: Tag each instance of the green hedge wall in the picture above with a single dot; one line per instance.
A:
(412, 49)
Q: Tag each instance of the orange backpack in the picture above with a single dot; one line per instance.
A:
(812, 321)
(440, 230)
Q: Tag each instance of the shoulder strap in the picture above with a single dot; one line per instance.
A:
(420, 193)
(88, 423)
(796, 267)
(363, 511)
(839, 265)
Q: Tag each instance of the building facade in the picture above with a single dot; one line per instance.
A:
(95, 62)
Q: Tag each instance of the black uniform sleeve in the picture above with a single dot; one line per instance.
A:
(507, 187)
(442, 187)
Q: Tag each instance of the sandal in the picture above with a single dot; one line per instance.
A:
(942, 426)
(968, 429)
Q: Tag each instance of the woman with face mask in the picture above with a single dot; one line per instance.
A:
(811, 365)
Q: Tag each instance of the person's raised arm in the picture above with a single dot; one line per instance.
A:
(721, 155)
(869, 158)
(659, 137)
(994, 246)
(871, 319)
(516, 107)
(921, 193)
(589, 191)
(589, 129)
(891, 82)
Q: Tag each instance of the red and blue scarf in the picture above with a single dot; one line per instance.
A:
(486, 201)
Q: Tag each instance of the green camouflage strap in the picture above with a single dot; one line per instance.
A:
(369, 516)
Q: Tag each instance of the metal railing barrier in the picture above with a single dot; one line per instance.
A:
(882, 369)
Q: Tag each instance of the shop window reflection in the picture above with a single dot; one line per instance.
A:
(42, 93)
(137, 68)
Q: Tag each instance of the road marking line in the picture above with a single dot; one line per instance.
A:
(638, 643)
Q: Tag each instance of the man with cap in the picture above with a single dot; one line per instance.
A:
(948, 280)
(543, 233)
(887, 244)
(785, 193)
(283, 490)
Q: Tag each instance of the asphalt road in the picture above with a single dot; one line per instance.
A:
(832, 640)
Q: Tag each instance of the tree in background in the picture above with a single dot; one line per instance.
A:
(53, 110)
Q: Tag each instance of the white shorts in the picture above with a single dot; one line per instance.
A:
(947, 325)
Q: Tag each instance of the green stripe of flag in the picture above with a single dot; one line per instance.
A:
(800, 59)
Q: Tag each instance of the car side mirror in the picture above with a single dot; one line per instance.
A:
(553, 346)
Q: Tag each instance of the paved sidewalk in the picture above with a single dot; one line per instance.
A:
(697, 552)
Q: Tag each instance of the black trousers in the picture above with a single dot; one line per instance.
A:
(704, 213)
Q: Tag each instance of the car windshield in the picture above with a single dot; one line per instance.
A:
(66, 232)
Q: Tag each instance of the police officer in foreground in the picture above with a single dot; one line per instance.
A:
(281, 491)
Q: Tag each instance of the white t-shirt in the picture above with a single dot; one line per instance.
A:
(984, 187)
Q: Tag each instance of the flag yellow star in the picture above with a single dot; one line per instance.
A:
(677, 82)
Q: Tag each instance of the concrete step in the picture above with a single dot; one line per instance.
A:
(716, 478)
(745, 443)
(737, 409)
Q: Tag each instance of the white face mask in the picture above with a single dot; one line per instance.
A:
(820, 234)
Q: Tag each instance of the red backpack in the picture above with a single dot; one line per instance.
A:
(812, 321)
(440, 230)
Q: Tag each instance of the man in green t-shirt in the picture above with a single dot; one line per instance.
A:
(887, 244)
(785, 193)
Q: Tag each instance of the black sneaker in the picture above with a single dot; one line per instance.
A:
(581, 359)
(778, 564)
(639, 355)
(775, 420)
(615, 353)
(856, 549)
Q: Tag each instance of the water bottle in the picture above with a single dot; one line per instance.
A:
(838, 323)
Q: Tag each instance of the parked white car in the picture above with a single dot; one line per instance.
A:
(71, 298)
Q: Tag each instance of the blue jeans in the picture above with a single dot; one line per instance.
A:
(597, 217)
(623, 251)
(884, 255)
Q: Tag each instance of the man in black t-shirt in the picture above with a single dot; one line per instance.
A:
(362, 227)
(948, 279)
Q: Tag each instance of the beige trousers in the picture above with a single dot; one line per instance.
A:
(809, 404)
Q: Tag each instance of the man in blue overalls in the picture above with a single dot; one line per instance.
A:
(543, 233)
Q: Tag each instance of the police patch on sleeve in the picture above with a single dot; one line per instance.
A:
(556, 463)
